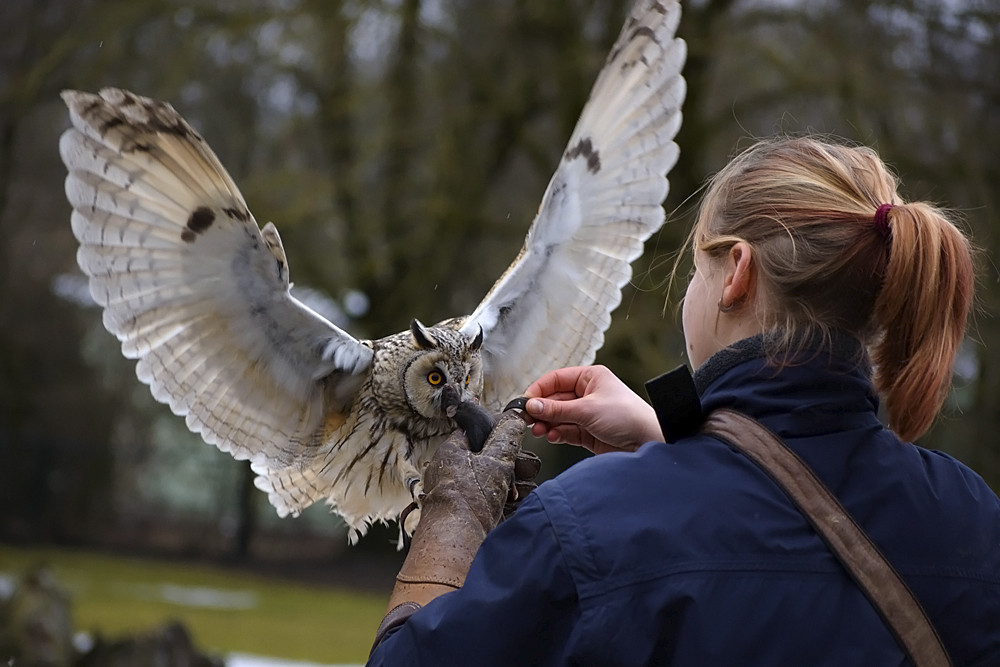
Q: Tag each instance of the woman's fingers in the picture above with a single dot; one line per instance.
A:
(560, 382)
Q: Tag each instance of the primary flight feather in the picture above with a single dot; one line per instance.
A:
(198, 293)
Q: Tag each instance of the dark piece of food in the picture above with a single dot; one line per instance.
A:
(476, 421)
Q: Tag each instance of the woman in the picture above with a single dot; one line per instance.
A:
(809, 272)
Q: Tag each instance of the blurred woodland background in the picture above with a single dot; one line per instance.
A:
(402, 147)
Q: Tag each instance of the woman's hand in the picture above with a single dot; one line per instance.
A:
(590, 407)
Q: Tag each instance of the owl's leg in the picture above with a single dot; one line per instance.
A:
(416, 487)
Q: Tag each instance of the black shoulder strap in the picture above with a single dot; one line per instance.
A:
(848, 542)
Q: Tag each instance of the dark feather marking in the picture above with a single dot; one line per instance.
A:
(240, 214)
(643, 31)
(502, 314)
(368, 482)
(201, 219)
(585, 148)
(357, 459)
(382, 469)
(164, 123)
(629, 24)
(92, 106)
(110, 124)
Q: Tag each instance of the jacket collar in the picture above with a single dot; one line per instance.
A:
(825, 386)
(838, 349)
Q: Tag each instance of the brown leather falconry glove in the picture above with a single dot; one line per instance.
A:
(527, 465)
(478, 424)
(464, 497)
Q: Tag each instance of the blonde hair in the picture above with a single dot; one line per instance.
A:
(807, 210)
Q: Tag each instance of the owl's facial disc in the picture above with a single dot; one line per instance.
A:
(444, 372)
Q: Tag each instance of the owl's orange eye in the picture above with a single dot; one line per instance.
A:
(468, 379)
(435, 378)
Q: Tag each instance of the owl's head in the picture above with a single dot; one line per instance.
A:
(446, 367)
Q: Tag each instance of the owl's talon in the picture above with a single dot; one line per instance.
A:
(411, 515)
(407, 510)
(408, 520)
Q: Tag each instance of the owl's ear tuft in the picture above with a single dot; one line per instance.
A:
(421, 336)
(477, 342)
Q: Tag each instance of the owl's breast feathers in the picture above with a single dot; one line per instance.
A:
(363, 454)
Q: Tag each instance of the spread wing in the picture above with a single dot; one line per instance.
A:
(193, 288)
(552, 306)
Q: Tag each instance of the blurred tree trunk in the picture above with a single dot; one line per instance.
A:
(54, 427)
(397, 216)
(246, 515)
(335, 86)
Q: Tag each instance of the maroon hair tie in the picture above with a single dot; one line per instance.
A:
(882, 220)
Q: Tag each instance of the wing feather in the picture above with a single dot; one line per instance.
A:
(192, 288)
(553, 304)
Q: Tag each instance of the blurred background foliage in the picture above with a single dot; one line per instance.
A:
(402, 147)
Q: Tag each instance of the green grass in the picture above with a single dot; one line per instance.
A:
(112, 596)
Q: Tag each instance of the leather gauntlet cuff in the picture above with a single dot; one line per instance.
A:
(396, 617)
(445, 542)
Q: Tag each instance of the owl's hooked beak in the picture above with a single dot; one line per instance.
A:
(451, 398)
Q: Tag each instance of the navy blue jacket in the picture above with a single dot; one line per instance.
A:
(687, 554)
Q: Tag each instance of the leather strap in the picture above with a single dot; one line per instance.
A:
(848, 542)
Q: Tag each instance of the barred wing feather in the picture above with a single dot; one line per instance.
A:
(552, 306)
(193, 288)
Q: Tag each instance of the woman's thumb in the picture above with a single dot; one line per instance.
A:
(535, 407)
(553, 412)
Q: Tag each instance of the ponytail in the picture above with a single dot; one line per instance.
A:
(920, 315)
(836, 250)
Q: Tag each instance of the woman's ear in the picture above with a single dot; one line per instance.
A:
(740, 274)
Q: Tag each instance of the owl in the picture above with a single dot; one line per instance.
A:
(199, 294)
